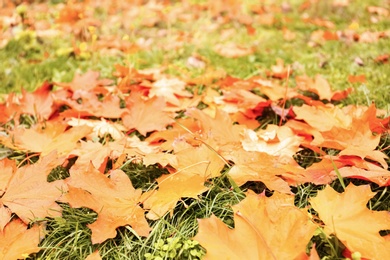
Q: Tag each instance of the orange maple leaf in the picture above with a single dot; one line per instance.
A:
(357, 139)
(91, 105)
(170, 89)
(257, 166)
(171, 189)
(232, 50)
(265, 228)
(194, 166)
(203, 160)
(321, 87)
(114, 199)
(94, 256)
(274, 140)
(347, 216)
(146, 115)
(279, 70)
(45, 138)
(17, 241)
(220, 128)
(29, 195)
(316, 116)
(39, 103)
(86, 82)
(183, 128)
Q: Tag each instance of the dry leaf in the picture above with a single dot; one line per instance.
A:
(146, 115)
(29, 195)
(265, 228)
(347, 216)
(232, 50)
(114, 199)
(18, 242)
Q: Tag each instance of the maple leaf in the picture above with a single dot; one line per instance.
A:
(29, 195)
(39, 103)
(264, 228)
(220, 128)
(374, 173)
(238, 100)
(17, 241)
(274, 140)
(85, 82)
(45, 138)
(321, 87)
(257, 166)
(100, 128)
(182, 128)
(203, 160)
(92, 152)
(5, 217)
(146, 115)
(279, 70)
(232, 50)
(316, 116)
(8, 167)
(170, 89)
(193, 167)
(273, 90)
(166, 197)
(10, 109)
(114, 199)
(347, 216)
(357, 139)
(94, 256)
(91, 105)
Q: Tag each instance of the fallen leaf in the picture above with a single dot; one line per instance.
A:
(171, 189)
(316, 116)
(146, 115)
(274, 140)
(45, 138)
(357, 78)
(220, 128)
(94, 256)
(29, 195)
(17, 241)
(279, 70)
(85, 82)
(257, 166)
(232, 50)
(100, 128)
(114, 199)
(264, 228)
(39, 103)
(169, 89)
(347, 216)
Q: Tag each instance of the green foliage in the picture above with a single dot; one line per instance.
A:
(174, 248)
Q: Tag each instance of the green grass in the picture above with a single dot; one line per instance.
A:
(28, 61)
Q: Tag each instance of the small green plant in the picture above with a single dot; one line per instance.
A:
(175, 248)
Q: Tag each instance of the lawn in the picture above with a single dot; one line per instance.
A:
(195, 129)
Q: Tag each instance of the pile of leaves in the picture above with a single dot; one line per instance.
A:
(92, 130)
(78, 146)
